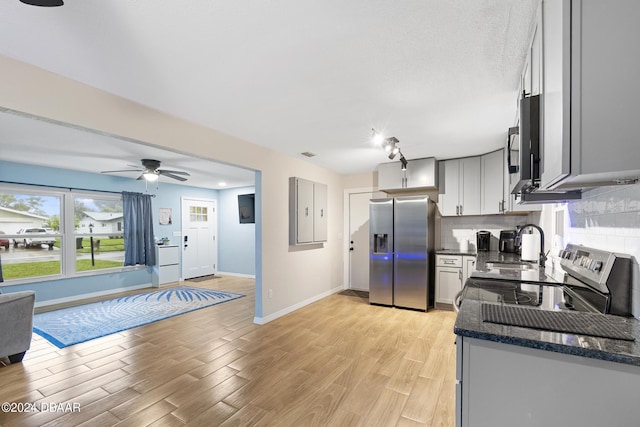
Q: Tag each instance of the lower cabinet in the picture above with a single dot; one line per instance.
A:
(507, 385)
(448, 284)
(468, 267)
(451, 273)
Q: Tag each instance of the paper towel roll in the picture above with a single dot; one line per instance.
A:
(530, 247)
(464, 245)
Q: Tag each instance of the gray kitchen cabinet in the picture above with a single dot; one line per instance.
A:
(459, 186)
(492, 183)
(448, 278)
(420, 174)
(307, 211)
(489, 394)
(590, 93)
(390, 176)
(452, 271)
(468, 267)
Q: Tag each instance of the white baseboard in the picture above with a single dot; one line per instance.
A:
(285, 311)
(248, 276)
(91, 295)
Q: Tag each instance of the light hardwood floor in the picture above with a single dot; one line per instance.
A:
(337, 362)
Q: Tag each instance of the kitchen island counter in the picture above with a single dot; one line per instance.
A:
(511, 375)
(469, 323)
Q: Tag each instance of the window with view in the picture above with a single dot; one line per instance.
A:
(46, 233)
(98, 232)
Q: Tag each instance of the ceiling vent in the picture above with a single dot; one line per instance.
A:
(308, 154)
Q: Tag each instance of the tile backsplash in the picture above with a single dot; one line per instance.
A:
(455, 230)
(609, 218)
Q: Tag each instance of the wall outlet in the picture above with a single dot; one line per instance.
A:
(270, 293)
(177, 233)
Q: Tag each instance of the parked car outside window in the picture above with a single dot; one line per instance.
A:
(30, 239)
(4, 242)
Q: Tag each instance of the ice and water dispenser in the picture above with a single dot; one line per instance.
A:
(381, 243)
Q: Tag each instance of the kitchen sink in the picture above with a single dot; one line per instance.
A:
(510, 265)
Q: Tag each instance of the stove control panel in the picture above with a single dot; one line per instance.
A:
(592, 266)
(586, 260)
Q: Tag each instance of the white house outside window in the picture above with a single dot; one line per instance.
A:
(58, 233)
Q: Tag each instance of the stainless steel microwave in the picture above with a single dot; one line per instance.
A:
(524, 158)
(524, 147)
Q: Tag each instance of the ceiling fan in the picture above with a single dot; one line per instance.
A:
(151, 171)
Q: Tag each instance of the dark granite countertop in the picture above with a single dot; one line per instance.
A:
(469, 322)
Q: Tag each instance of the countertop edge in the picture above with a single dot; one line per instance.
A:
(455, 252)
(549, 346)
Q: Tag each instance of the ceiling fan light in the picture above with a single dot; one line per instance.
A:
(150, 176)
(44, 3)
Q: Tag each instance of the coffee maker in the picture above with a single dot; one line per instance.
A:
(483, 241)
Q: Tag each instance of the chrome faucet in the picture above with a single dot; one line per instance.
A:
(543, 256)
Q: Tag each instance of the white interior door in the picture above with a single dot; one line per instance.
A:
(359, 239)
(199, 246)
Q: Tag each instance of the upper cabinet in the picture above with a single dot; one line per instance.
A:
(307, 211)
(590, 93)
(459, 189)
(492, 183)
(420, 174)
(531, 78)
(477, 186)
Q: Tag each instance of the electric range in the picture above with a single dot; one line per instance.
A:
(596, 281)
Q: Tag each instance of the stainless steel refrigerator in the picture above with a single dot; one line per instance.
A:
(401, 252)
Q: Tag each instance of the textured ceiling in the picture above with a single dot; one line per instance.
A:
(297, 75)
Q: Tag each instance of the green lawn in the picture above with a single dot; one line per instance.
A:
(45, 268)
(106, 245)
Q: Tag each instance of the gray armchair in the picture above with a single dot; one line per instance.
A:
(16, 324)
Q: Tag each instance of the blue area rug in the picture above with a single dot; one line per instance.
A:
(74, 325)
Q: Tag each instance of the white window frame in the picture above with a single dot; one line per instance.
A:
(67, 232)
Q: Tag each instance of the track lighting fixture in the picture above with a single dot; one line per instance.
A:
(390, 146)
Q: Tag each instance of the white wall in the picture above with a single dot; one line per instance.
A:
(296, 276)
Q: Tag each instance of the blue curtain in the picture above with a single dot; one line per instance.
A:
(138, 229)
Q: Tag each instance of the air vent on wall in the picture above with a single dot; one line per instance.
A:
(308, 154)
